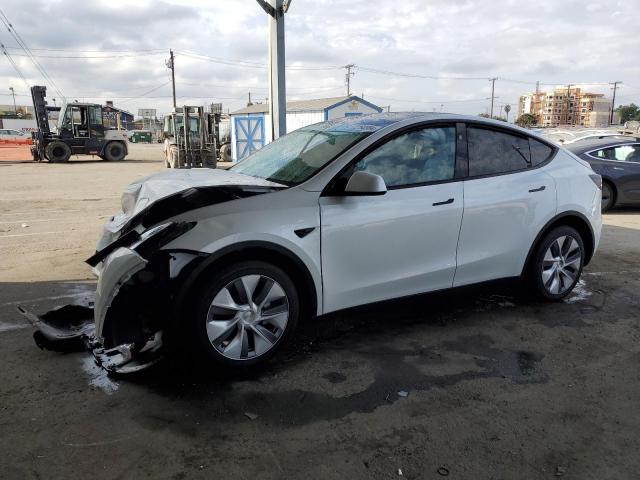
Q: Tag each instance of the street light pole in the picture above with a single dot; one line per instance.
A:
(276, 9)
(493, 88)
(613, 102)
(171, 64)
(15, 109)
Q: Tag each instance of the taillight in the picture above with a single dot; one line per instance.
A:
(597, 179)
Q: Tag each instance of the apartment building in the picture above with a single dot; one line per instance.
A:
(566, 105)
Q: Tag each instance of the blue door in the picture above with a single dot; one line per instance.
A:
(249, 135)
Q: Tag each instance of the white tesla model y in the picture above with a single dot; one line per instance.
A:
(338, 214)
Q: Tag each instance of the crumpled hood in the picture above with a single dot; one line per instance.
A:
(168, 182)
(197, 186)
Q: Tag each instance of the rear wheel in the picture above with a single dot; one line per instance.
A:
(114, 151)
(608, 196)
(245, 314)
(557, 264)
(58, 152)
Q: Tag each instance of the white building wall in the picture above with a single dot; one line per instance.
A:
(350, 107)
(296, 120)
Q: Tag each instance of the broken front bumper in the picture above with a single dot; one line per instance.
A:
(137, 282)
(77, 327)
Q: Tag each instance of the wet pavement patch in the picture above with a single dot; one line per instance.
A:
(394, 370)
(334, 377)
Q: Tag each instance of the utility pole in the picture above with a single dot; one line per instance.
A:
(276, 10)
(493, 89)
(348, 76)
(171, 64)
(613, 102)
(566, 117)
(15, 109)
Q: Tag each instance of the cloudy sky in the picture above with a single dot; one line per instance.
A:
(97, 50)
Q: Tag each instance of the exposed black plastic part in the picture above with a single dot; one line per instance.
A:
(192, 199)
(159, 240)
(124, 241)
(62, 329)
(303, 232)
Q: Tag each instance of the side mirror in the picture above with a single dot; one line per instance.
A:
(365, 183)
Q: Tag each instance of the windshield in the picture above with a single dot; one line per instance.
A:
(297, 156)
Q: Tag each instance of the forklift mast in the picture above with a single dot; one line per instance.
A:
(38, 95)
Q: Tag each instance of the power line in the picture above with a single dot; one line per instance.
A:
(124, 55)
(248, 64)
(418, 75)
(14, 65)
(90, 51)
(471, 100)
(16, 36)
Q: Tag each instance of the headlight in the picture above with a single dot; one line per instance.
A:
(129, 198)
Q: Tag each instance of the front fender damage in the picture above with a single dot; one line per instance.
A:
(133, 310)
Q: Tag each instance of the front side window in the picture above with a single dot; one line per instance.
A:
(414, 158)
(492, 152)
(622, 153)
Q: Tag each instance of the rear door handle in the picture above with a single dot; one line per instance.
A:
(539, 189)
(446, 202)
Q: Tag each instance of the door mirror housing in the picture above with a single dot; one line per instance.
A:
(365, 183)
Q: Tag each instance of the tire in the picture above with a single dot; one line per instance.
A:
(58, 152)
(226, 153)
(174, 157)
(608, 196)
(115, 151)
(556, 264)
(240, 335)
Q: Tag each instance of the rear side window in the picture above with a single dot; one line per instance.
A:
(492, 152)
(540, 152)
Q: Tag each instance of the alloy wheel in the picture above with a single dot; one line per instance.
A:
(607, 197)
(561, 265)
(247, 317)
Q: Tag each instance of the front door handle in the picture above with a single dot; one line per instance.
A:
(539, 189)
(446, 202)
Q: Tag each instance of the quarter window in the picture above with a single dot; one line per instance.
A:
(492, 152)
(540, 152)
(414, 158)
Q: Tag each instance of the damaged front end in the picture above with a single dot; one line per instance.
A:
(136, 286)
(139, 282)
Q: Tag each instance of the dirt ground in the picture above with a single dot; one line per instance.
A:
(475, 384)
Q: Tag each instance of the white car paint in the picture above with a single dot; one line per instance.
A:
(502, 216)
(364, 257)
(364, 249)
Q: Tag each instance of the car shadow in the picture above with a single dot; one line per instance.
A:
(340, 330)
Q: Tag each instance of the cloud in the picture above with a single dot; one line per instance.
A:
(553, 42)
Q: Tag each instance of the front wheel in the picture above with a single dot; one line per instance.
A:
(245, 314)
(114, 151)
(557, 264)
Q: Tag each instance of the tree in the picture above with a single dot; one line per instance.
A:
(486, 115)
(526, 120)
(628, 112)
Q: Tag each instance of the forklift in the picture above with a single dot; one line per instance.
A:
(80, 131)
(198, 145)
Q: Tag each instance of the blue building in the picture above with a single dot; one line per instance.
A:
(251, 126)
